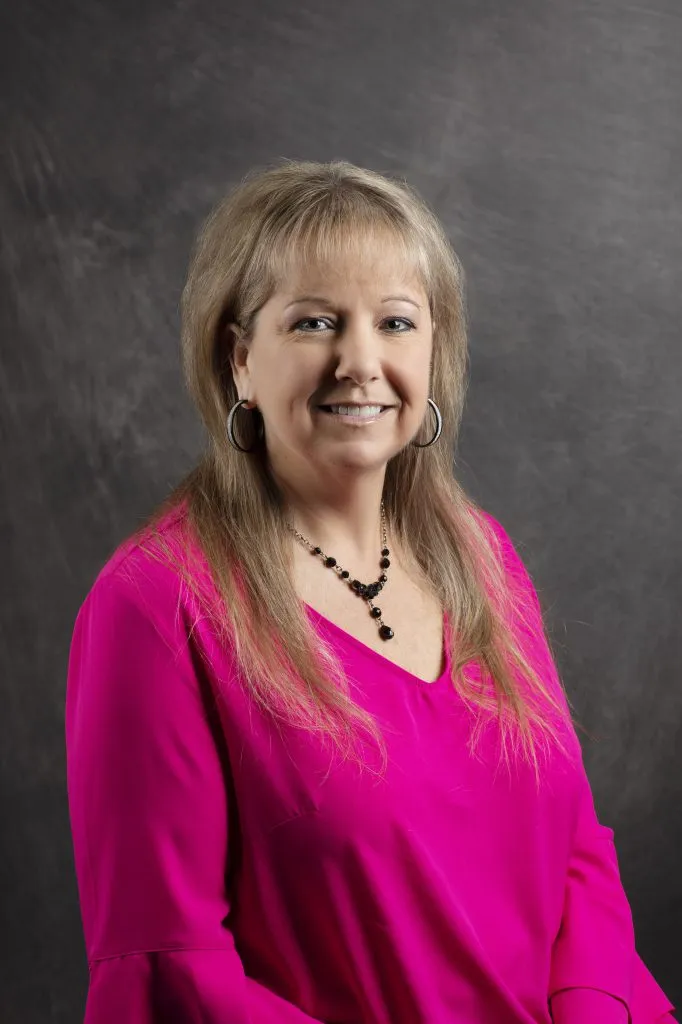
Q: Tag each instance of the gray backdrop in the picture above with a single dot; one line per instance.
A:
(547, 136)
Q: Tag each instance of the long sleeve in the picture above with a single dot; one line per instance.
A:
(596, 975)
(149, 816)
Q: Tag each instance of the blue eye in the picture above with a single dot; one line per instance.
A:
(319, 319)
(309, 320)
(400, 320)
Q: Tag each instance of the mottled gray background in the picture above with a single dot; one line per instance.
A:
(547, 136)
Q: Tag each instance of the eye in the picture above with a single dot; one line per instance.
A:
(318, 319)
(310, 320)
(400, 320)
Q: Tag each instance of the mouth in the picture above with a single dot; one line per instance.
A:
(355, 414)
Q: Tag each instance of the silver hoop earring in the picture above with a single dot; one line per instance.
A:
(230, 426)
(439, 426)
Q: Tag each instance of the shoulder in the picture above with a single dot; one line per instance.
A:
(521, 606)
(146, 573)
(137, 642)
(517, 575)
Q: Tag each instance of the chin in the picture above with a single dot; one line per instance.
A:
(360, 457)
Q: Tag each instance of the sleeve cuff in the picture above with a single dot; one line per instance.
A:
(583, 1005)
(587, 1006)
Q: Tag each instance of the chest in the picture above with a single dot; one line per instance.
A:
(469, 848)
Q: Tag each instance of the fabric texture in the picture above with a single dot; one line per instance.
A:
(235, 871)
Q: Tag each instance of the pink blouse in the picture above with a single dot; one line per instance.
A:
(230, 871)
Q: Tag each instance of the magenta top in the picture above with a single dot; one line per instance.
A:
(229, 872)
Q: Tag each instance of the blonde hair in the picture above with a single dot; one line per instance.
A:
(290, 214)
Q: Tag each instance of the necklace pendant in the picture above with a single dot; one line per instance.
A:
(367, 591)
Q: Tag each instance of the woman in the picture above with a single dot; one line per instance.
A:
(320, 763)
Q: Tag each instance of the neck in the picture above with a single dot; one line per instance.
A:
(345, 523)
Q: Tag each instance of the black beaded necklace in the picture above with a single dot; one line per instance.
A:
(367, 591)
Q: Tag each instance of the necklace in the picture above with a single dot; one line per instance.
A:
(367, 591)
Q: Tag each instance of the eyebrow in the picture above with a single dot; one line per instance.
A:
(328, 302)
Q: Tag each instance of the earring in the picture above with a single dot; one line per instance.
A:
(439, 426)
(230, 426)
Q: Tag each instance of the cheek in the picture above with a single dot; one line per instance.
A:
(413, 378)
(288, 385)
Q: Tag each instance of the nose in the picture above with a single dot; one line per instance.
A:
(358, 354)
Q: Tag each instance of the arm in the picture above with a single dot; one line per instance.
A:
(596, 975)
(593, 957)
(149, 820)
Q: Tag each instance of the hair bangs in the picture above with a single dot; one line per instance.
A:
(330, 237)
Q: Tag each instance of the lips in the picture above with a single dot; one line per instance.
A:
(355, 412)
(356, 405)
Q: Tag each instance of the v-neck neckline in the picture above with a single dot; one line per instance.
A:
(381, 659)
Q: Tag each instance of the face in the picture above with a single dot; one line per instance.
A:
(339, 367)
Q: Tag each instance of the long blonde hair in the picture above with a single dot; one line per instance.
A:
(307, 211)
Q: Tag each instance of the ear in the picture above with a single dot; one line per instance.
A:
(239, 352)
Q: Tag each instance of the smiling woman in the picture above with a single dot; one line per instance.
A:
(323, 370)
(277, 814)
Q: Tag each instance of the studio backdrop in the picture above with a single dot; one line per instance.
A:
(547, 136)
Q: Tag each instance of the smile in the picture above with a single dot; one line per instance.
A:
(355, 414)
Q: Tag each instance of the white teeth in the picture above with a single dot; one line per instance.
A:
(356, 410)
